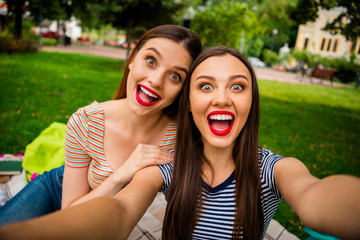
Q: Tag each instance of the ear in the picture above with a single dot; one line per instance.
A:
(189, 107)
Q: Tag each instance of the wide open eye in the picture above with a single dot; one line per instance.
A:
(206, 87)
(151, 61)
(176, 77)
(237, 87)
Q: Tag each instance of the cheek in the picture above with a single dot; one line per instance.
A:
(172, 91)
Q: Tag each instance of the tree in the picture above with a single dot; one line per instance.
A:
(17, 8)
(225, 23)
(274, 14)
(55, 10)
(128, 14)
(347, 23)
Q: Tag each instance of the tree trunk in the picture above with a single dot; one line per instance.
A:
(18, 20)
(40, 24)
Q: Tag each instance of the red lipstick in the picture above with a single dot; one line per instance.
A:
(220, 122)
(145, 96)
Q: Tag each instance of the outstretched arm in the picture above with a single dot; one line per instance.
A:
(99, 218)
(330, 205)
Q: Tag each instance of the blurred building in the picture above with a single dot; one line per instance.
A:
(313, 39)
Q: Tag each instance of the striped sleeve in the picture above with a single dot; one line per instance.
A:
(75, 140)
(267, 172)
(168, 141)
(271, 196)
(166, 172)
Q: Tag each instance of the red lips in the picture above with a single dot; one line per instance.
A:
(221, 122)
(145, 96)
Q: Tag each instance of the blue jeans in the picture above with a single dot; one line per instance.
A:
(39, 197)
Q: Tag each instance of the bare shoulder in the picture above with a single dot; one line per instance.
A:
(113, 108)
(289, 164)
(112, 104)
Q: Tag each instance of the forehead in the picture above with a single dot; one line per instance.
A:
(167, 48)
(221, 67)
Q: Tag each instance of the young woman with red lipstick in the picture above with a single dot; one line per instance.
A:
(222, 184)
(106, 143)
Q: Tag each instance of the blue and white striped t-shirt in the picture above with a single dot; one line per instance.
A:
(217, 217)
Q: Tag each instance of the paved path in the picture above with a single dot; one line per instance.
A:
(261, 73)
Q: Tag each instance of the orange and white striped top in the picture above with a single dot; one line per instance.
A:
(84, 143)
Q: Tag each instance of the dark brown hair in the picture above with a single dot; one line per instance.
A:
(178, 34)
(184, 203)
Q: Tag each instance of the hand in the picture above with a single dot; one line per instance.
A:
(144, 155)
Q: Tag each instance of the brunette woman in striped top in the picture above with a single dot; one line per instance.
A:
(106, 143)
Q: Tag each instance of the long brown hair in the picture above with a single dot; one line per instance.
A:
(178, 34)
(185, 201)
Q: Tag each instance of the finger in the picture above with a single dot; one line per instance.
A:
(156, 159)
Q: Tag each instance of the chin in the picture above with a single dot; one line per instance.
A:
(221, 142)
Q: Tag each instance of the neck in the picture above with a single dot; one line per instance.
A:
(222, 164)
(140, 124)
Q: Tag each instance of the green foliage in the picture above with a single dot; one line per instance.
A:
(347, 70)
(270, 57)
(253, 47)
(224, 24)
(351, 30)
(305, 56)
(139, 31)
(24, 45)
(306, 10)
(147, 13)
(28, 43)
(274, 14)
(347, 23)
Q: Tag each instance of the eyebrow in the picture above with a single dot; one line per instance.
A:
(155, 51)
(233, 77)
(160, 56)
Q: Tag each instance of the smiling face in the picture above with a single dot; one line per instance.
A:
(220, 99)
(156, 76)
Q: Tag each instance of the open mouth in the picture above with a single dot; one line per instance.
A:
(146, 96)
(221, 122)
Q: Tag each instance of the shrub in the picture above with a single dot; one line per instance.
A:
(270, 57)
(347, 70)
(9, 45)
(6, 44)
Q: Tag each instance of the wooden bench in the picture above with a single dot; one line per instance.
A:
(323, 73)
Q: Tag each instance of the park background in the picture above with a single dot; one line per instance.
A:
(316, 123)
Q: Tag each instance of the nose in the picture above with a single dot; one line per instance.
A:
(221, 98)
(157, 79)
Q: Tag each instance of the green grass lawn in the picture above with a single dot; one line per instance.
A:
(316, 124)
(38, 89)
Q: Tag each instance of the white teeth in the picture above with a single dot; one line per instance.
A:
(221, 117)
(148, 93)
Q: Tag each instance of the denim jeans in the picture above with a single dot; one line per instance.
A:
(39, 197)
